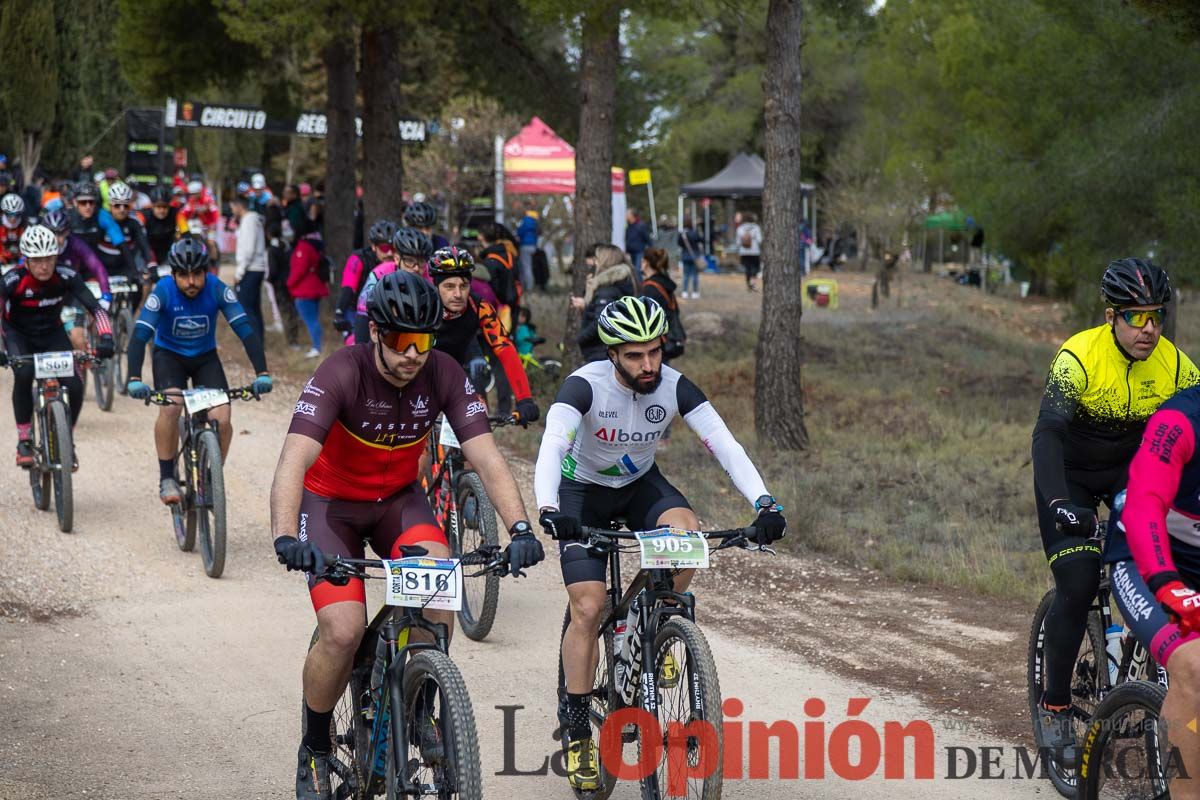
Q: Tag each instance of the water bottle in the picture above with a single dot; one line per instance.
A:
(619, 666)
(631, 652)
(1112, 645)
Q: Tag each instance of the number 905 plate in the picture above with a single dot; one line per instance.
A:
(673, 548)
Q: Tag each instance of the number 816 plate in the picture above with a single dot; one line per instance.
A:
(424, 583)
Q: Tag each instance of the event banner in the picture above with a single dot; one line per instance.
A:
(192, 114)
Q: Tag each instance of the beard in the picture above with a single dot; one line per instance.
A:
(637, 384)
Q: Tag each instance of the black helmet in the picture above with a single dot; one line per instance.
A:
(56, 221)
(402, 301)
(161, 194)
(420, 215)
(1134, 282)
(411, 242)
(188, 255)
(382, 231)
(86, 190)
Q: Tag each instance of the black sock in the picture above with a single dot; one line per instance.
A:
(316, 730)
(579, 723)
(166, 468)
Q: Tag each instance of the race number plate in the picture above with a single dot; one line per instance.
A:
(54, 365)
(423, 582)
(197, 400)
(446, 435)
(94, 287)
(673, 548)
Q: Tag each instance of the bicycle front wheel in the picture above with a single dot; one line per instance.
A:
(1126, 753)
(208, 507)
(123, 329)
(62, 455)
(443, 745)
(476, 527)
(689, 715)
(103, 382)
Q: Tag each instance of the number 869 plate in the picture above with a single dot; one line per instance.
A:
(673, 548)
(422, 582)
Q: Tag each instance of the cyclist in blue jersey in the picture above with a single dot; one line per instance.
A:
(181, 315)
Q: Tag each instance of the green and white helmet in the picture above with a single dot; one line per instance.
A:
(631, 319)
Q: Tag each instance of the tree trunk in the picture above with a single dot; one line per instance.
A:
(778, 399)
(340, 141)
(594, 154)
(31, 154)
(383, 157)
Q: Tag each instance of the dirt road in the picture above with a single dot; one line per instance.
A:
(126, 673)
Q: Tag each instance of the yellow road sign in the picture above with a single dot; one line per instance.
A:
(637, 177)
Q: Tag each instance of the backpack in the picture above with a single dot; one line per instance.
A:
(325, 268)
(747, 240)
(676, 335)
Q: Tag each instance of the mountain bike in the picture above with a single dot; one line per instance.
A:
(108, 374)
(681, 686)
(200, 473)
(399, 684)
(464, 511)
(1097, 671)
(54, 449)
(543, 373)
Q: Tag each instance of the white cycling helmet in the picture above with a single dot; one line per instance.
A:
(12, 204)
(195, 187)
(38, 241)
(120, 193)
(257, 181)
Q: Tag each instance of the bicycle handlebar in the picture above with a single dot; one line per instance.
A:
(22, 361)
(732, 537)
(168, 397)
(491, 558)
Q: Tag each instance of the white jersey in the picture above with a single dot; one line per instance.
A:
(601, 432)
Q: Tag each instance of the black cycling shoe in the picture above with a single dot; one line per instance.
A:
(312, 776)
(25, 453)
(1056, 734)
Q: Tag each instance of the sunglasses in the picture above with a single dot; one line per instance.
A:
(1138, 319)
(85, 202)
(120, 205)
(400, 341)
(383, 247)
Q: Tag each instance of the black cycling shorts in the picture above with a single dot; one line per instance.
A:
(342, 527)
(173, 371)
(640, 503)
(1087, 489)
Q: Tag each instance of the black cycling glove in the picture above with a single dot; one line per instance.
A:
(528, 410)
(1075, 520)
(523, 551)
(298, 555)
(769, 527)
(560, 526)
(105, 348)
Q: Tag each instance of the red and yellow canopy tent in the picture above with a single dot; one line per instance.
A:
(538, 161)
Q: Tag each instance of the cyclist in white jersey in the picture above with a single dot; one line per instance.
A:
(596, 463)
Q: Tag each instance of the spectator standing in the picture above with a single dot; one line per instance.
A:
(691, 249)
(295, 216)
(308, 287)
(527, 237)
(288, 319)
(612, 278)
(251, 256)
(637, 239)
(749, 244)
(659, 287)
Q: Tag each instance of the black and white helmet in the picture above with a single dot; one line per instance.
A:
(56, 221)
(1135, 282)
(12, 205)
(120, 192)
(38, 241)
(411, 242)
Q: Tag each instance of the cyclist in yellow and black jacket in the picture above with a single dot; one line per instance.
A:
(1104, 383)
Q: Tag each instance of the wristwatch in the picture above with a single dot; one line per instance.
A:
(519, 528)
(767, 503)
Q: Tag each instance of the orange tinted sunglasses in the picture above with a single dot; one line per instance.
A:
(400, 341)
